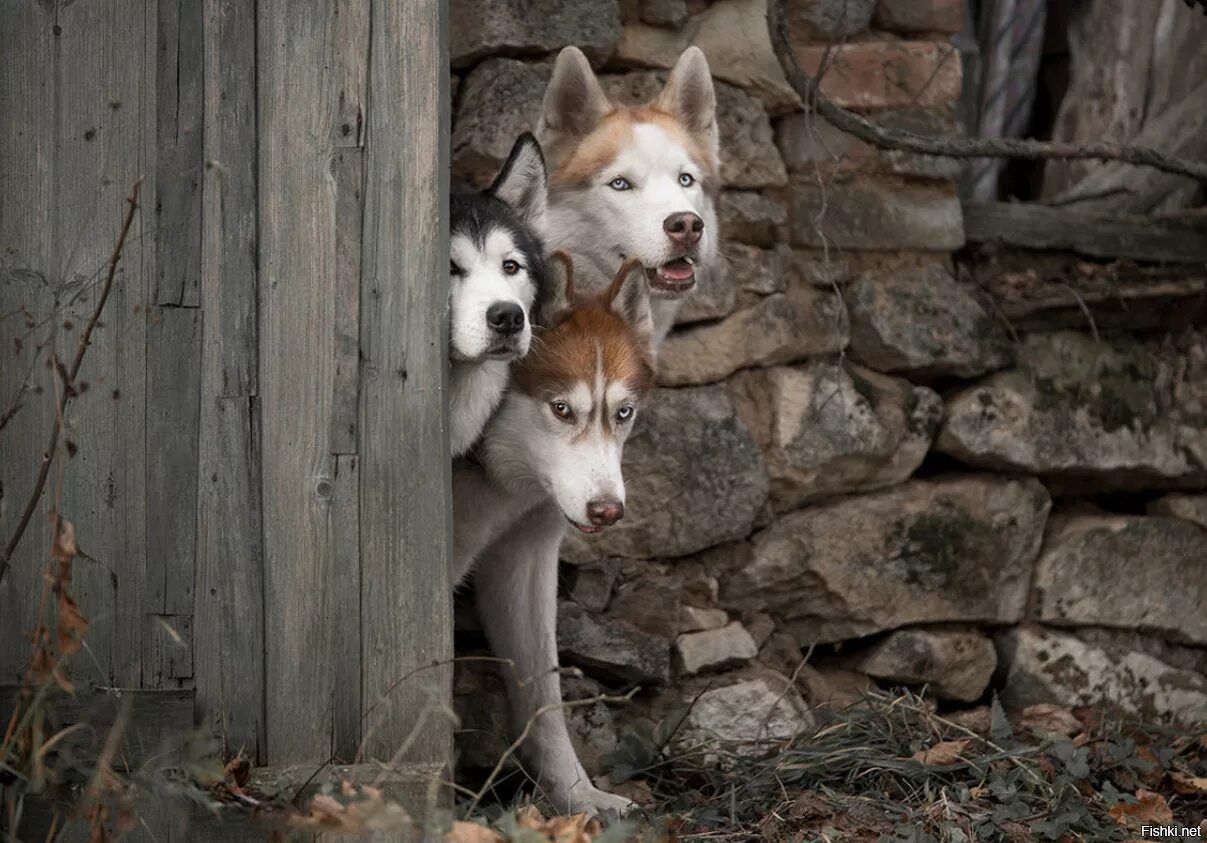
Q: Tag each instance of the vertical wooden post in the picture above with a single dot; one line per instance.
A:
(405, 486)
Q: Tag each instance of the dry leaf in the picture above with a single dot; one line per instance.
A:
(527, 816)
(65, 549)
(1188, 785)
(71, 625)
(1150, 809)
(467, 832)
(1050, 718)
(577, 828)
(944, 752)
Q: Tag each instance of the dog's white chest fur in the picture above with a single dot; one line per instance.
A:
(476, 389)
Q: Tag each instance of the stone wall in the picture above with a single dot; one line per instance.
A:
(851, 454)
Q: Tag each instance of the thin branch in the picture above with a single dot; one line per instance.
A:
(853, 124)
(68, 387)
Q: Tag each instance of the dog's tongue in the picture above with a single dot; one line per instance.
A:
(677, 270)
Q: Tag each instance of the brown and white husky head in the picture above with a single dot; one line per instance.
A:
(635, 182)
(572, 402)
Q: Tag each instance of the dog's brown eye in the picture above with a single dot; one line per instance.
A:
(562, 410)
(511, 267)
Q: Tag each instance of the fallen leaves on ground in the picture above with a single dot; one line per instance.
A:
(1148, 809)
(944, 752)
(575, 828)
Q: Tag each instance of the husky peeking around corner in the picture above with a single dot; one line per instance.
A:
(634, 182)
(551, 456)
(497, 269)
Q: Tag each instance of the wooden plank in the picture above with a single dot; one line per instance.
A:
(155, 722)
(179, 89)
(405, 488)
(228, 627)
(174, 338)
(1164, 239)
(348, 169)
(29, 280)
(228, 624)
(87, 75)
(297, 330)
(346, 702)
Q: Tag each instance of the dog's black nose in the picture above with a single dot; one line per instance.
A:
(684, 228)
(505, 317)
(604, 512)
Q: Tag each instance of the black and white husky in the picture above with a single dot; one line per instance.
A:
(497, 269)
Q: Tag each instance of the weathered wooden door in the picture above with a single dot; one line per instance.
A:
(258, 470)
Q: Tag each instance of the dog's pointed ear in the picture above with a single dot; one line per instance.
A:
(557, 294)
(574, 101)
(689, 96)
(628, 296)
(523, 183)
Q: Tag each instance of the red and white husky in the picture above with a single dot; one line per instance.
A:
(631, 184)
(634, 182)
(549, 457)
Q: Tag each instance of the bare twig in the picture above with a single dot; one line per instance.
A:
(806, 88)
(68, 390)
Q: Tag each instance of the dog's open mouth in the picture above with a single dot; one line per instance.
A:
(674, 276)
(589, 529)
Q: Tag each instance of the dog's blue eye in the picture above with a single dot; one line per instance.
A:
(620, 183)
(624, 413)
(687, 179)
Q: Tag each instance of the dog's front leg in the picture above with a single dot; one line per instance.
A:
(517, 601)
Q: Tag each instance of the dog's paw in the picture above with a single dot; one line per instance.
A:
(585, 798)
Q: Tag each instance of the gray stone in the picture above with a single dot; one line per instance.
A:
(924, 323)
(664, 12)
(828, 20)
(593, 583)
(694, 478)
(758, 271)
(610, 648)
(749, 156)
(1187, 507)
(714, 649)
(531, 27)
(500, 99)
(863, 214)
(829, 428)
(749, 217)
(714, 296)
(1127, 572)
(648, 598)
(744, 717)
(811, 145)
(780, 328)
(920, 15)
(592, 727)
(734, 37)
(954, 665)
(1114, 413)
(957, 548)
(1046, 666)
(696, 619)
(833, 687)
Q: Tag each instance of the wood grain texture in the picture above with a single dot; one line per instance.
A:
(228, 624)
(405, 486)
(64, 202)
(297, 366)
